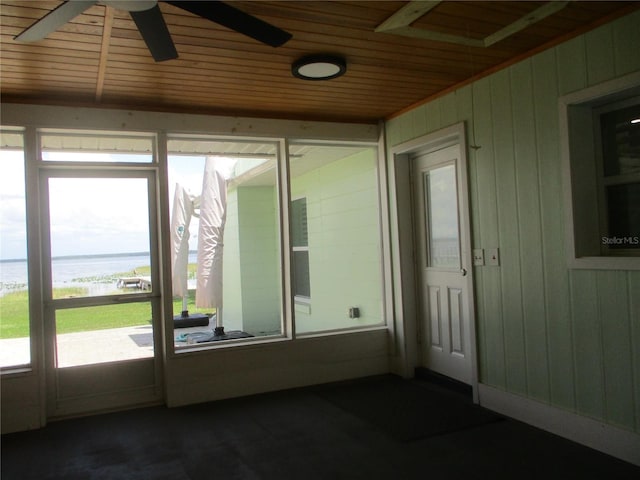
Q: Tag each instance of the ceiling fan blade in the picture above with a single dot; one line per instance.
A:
(237, 20)
(155, 33)
(53, 20)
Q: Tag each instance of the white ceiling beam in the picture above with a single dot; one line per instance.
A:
(538, 14)
(424, 34)
(104, 51)
(399, 24)
(407, 15)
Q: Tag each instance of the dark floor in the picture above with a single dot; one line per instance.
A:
(379, 427)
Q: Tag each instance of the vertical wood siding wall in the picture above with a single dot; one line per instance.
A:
(569, 338)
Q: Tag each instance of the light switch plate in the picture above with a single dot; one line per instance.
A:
(493, 257)
(478, 257)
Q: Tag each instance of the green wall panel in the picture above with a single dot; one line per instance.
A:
(600, 63)
(448, 112)
(260, 259)
(528, 195)
(432, 115)
(232, 299)
(626, 38)
(493, 338)
(251, 262)
(572, 66)
(613, 305)
(586, 344)
(556, 284)
(418, 120)
(509, 234)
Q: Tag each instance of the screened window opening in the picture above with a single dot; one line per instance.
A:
(336, 244)
(225, 224)
(15, 348)
(96, 146)
(226, 238)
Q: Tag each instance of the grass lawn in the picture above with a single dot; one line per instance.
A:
(14, 315)
(14, 312)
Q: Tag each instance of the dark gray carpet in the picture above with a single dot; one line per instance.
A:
(299, 434)
(407, 410)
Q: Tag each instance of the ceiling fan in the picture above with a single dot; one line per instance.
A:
(148, 18)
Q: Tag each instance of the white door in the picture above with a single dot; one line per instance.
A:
(441, 241)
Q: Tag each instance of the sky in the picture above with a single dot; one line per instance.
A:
(89, 215)
(12, 207)
(98, 215)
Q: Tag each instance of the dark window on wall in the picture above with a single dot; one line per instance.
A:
(600, 147)
(300, 246)
(618, 129)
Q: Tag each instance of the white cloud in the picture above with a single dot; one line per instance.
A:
(98, 215)
(13, 237)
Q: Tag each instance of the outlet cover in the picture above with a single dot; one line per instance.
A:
(493, 257)
(478, 257)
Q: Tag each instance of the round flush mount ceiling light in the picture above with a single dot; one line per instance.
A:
(319, 67)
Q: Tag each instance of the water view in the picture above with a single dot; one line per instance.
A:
(99, 274)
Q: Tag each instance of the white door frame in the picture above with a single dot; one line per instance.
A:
(120, 376)
(405, 280)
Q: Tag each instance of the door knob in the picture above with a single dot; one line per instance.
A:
(463, 272)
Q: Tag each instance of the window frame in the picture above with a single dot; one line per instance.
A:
(581, 172)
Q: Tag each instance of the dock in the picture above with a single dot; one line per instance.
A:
(141, 283)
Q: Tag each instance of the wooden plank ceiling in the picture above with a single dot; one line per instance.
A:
(100, 59)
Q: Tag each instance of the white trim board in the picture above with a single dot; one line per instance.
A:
(614, 441)
(83, 118)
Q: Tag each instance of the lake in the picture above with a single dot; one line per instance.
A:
(95, 272)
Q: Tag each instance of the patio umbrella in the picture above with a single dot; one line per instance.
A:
(213, 205)
(183, 209)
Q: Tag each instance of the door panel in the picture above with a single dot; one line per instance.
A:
(113, 343)
(445, 318)
(435, 319)
(456, 321)
(109, 386)
(123, 375)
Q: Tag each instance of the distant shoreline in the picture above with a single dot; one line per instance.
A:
(97, 255)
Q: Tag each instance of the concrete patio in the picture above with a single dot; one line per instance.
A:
(95, 346)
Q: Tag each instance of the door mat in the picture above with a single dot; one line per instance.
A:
(405, 409)
(142, 339)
